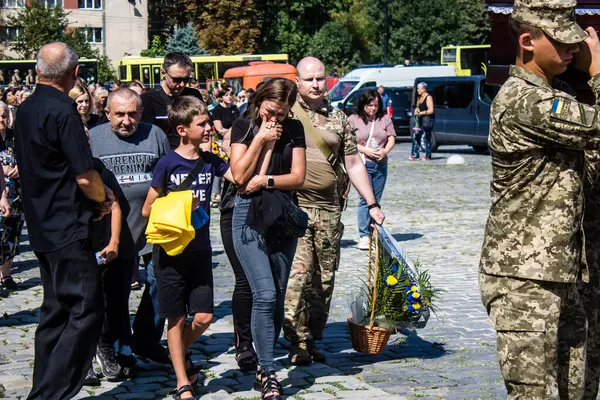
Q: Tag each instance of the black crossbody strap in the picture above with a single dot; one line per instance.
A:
(192, 176)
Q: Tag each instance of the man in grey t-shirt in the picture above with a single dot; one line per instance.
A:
(130, 149)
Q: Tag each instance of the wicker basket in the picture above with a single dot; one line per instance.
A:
(370, 339)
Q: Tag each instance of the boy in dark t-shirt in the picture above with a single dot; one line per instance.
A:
(185, 284)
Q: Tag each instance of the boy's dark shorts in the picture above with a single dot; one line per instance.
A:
(185, 283)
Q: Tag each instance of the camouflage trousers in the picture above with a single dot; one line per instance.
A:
(310, 287)
(541, 336)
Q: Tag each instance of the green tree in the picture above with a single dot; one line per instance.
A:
(185, 40)
(358, 22)
(165, 15)
(229, 27)
(334, 45)
(39, 25)
(420, 28)
(156, 49)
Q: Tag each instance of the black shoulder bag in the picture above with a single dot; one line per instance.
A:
(275, 215)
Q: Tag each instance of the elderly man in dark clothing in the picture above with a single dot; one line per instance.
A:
(62, 192)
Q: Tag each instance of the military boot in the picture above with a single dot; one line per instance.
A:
(299, 354)
(315, 353)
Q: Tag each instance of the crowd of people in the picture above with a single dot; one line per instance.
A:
(86, 165)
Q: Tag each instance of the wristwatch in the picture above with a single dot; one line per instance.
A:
(374, 205)
(270, 182)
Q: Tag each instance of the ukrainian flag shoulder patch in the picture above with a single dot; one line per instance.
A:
(573, 112)
(558, 105)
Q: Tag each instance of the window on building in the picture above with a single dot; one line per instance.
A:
(10, 33)
(13, 3)
(90, 4)
(92, 35)
(52, 3)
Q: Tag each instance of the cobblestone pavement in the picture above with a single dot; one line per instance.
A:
(436, 212)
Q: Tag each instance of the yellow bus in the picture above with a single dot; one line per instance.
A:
(468, 60)
(206, 67)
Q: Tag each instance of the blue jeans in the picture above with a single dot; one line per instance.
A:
(148, 326)
(267, 267)
(377, 176)
(416, 142)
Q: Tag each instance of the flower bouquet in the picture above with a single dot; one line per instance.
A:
(397, 293)
(218, 150)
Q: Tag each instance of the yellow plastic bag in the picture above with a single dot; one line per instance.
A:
(170, 223)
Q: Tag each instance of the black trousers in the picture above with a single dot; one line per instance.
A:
(241, 303)
(71, 317)
(116, 286)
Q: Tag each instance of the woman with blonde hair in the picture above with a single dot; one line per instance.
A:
(81, 95)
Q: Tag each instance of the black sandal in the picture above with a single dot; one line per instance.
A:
(246, 359)
(183, 389)
(258, 384)
(191, 372)
(271, 388)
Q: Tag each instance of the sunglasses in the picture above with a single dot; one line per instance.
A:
(178, 80)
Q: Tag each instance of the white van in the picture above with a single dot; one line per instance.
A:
(398, 76)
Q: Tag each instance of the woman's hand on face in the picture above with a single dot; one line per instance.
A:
(270, 130)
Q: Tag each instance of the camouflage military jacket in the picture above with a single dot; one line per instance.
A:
(322, 185)
(538, 135)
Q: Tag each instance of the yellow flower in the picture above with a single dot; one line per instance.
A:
(413, 289)
(416, 295)
(391, 281)
(417, 306)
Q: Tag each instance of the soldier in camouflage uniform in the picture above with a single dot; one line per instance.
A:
(311, 282)
(533, 261)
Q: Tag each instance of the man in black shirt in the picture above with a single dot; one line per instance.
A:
(176, 72)
(61, 194)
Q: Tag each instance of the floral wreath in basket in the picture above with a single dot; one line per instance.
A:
(399, 293)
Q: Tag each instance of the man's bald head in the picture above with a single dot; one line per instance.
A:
(308, 65)
(310, 78)
(56, 61)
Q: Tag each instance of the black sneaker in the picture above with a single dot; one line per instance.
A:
(127, 364)
(108, 362)
(91, 379)
(9, 284)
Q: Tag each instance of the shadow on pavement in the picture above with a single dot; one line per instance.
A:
(405, 237)
(23, 317)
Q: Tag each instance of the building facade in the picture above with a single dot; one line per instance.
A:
(117, 28)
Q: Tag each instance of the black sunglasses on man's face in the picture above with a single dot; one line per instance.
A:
(178, 80)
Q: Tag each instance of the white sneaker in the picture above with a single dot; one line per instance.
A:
(363, 243)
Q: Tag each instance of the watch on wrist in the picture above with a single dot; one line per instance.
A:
(270, 182)
(374, 205)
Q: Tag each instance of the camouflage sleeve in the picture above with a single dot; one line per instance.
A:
(594, 83)
(553, 119)
(350, 142)
(592, 167)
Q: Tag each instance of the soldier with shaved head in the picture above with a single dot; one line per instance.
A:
(331, 157)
